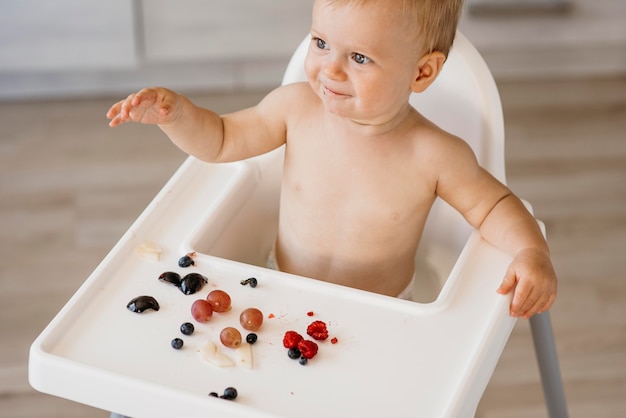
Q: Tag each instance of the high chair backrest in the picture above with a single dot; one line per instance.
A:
(463, 100)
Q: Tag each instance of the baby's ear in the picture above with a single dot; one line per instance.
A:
(428, 68)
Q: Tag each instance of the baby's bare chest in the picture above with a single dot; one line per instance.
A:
(359, 181)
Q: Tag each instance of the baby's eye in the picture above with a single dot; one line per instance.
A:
(321, 44)
(360, 58)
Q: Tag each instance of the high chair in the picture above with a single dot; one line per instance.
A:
(433, 358)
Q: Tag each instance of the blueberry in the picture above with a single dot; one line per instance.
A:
(252, 281)
(187, 328)
(177, 343)
(186, 261)
(294, 353)
(303, 360)
(251, 338)
(230, 393)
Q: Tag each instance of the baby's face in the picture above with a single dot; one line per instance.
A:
(362, 59)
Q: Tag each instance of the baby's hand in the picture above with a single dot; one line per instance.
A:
(155, 105)
(533, 280)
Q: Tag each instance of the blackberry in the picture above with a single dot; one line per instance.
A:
(251, 338)
(187, 328)
(177, 343)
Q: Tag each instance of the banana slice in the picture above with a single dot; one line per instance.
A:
(210, 354)
(243, 355)
(149, 250)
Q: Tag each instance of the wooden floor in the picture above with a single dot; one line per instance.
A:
(70, 187)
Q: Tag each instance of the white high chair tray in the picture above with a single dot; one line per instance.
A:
(392, 357)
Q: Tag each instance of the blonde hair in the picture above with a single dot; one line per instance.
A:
(436, 21)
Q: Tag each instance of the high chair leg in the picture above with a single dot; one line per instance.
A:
(545, 349)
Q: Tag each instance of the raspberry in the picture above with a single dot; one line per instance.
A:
(291, 339)
(317, 330)
(307, 348)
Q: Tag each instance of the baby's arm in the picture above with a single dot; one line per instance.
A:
(503, 220)
(203, 133)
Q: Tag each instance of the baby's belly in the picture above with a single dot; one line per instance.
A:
(367, 258)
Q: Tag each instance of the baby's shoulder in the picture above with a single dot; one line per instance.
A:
(436, 142)
(289, 98)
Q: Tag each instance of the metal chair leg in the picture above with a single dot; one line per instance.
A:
(545, 349)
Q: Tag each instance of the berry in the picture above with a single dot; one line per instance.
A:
(303, 360)
(307, 348)
(294, 353)
(251, 319)
(252, 281)
(291, 339)
(201, 310)
(177, 343)
(219, 300)
(187, 328)
(230, 393)
(317, 330)
(186, 260)
(230, 337)
(251, 338)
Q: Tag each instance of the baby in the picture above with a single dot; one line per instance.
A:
(362, 167)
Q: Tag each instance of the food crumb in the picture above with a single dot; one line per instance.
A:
(334, 340)
(271, 315)
(310, 313)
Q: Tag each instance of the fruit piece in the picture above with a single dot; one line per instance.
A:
(177, 343)
(310, 313)
(252, 281)
(243, 356)
(251, 338)
(334, 340)
(307, 348)
(142, 303)
(230, 393)
(230, 337)
(251, 319)
(210, 354)
(294, 353)
(170, 277)
(149, 250)
(219, 300)
(291, 339)
(187, 260)
(187, 328)
(303, 360)
(201, 310)
(214, 394)
(317, 330)
(192, 283)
